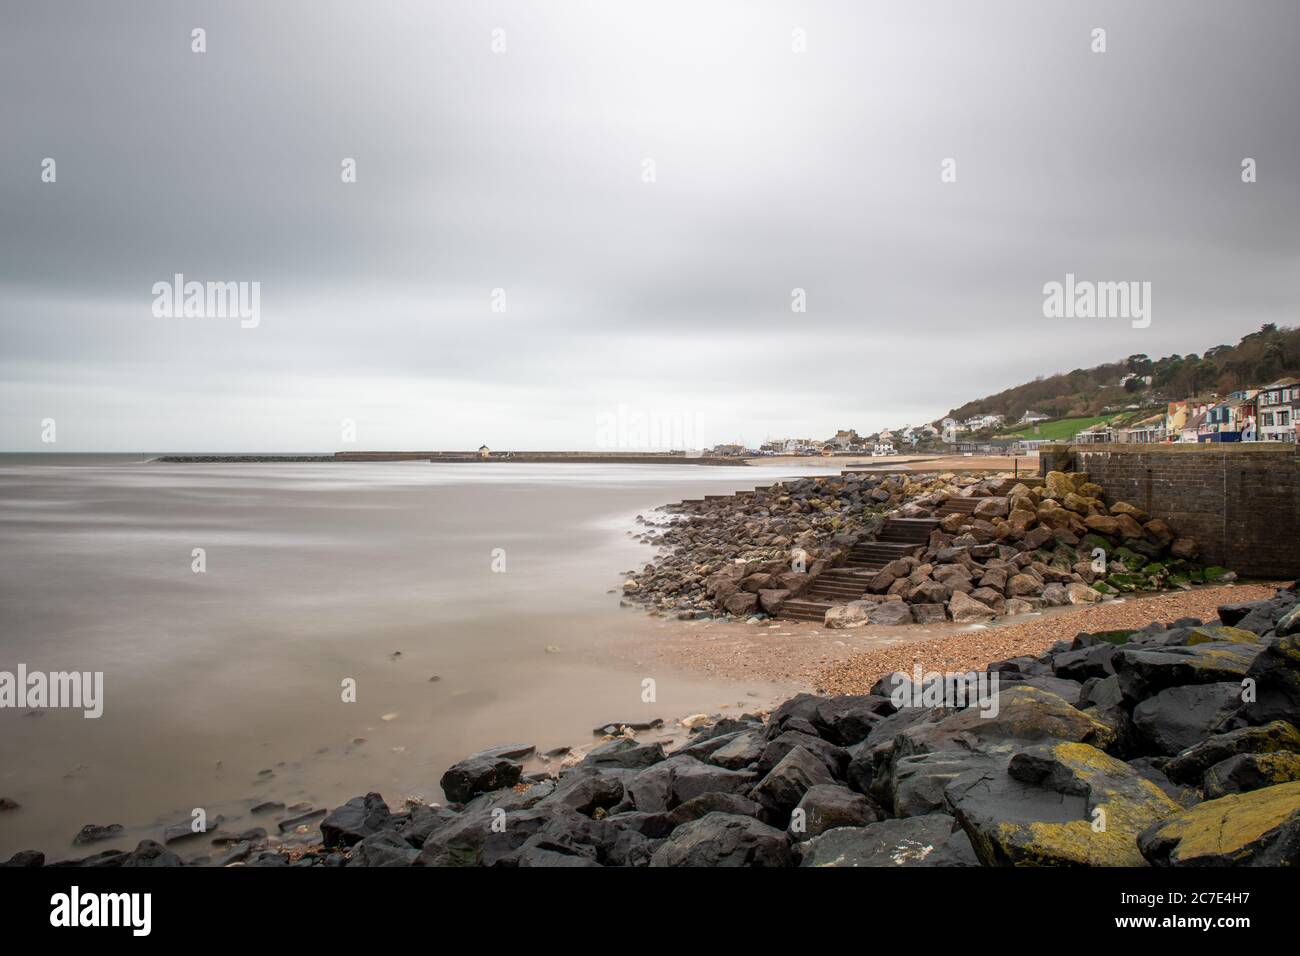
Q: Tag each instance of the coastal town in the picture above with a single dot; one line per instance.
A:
(1263, 413)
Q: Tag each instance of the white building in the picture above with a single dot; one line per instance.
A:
(1278, 404)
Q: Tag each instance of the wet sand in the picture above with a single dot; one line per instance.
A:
(851, 660)
(316, 573)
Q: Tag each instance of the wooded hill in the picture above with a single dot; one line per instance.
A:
(1259, 358)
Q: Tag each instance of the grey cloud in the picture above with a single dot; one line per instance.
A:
(522, 171)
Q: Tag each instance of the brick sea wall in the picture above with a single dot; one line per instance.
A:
(1241, 502)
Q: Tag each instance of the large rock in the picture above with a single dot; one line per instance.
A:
(678, 779)
(1246, 772)
(625, 752)
(833, 758)
(771, 600)
(1276, 676)
(929, 592)
(853, 614)
(740, 751)
(1058, 804)
(892, 613)
(968, 610)
(826, 806)
(724, 839)
(1289, 623)
(1024, 585)
(472, 840)
(383, 848)
(1144, 671)
(741, 603)
(357, 819)
(1179, 717)
(1024, 714)
(1260, 828)
(931, 840)
(480, 773)
(847, 719)
(1057, 484)
(1102, 524)
(785, 784)
(929, 613)
(1079, 593)
(588, 789)
(1190, 765)
(917, 782)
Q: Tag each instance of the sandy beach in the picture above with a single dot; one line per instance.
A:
(849, 660)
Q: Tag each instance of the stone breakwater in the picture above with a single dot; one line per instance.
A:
(782, 536)
(1171, 745)
(993, 553)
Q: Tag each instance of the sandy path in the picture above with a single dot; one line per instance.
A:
(849, 661)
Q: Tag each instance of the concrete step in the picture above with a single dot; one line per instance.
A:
(805, 610)
(894, 549)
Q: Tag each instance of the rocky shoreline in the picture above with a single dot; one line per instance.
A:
(1170, 745)
(993, 550)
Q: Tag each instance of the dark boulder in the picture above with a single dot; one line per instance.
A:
(827, 806)
(932, 840)
(1246, 772)
(1276, 676)
(625, 752)
(802, 707)
(1179, 717)
(357, 819)
(676, 780)
(785, 784)
(148, 854)
(1190, 765)
(742, 750)
(917, 783)
(834, 758)
(724, 839)
(384, 848)
(847, 720)
(1144, 671)
(479, 774)
(585, 790)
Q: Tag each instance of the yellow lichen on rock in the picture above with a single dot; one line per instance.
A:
(1226, 831)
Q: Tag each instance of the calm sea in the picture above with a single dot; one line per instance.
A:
(225, 687)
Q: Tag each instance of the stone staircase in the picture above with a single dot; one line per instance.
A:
(897, 538)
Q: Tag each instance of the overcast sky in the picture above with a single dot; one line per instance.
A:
(524, 170)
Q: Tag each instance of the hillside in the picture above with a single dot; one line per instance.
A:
(1257, 359)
